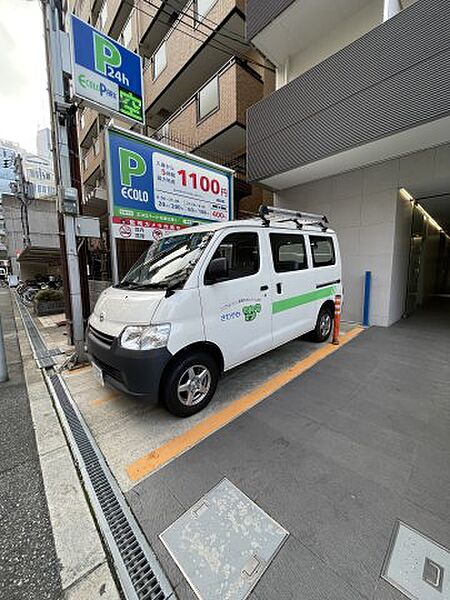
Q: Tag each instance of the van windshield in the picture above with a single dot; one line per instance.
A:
(168, 263)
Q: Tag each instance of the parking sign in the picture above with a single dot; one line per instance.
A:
(105, 73)
(155, 189)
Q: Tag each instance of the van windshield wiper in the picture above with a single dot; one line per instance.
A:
(149, 286)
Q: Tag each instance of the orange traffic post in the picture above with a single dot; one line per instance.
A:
(337, 319)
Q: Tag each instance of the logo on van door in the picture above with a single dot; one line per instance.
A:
(251, 311)
(235, 310)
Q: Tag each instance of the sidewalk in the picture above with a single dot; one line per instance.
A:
(28, 561)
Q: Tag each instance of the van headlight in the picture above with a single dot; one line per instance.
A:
(146, 337)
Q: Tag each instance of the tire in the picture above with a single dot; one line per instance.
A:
(190, 384)
(324, 325)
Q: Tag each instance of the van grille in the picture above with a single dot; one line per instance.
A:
(104, 338)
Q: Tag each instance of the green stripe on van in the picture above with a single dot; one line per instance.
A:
(294, 301)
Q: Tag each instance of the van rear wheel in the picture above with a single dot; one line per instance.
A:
(324, 325)
(190, 384)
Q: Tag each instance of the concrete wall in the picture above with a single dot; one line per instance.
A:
(374, 223)
(343, 34)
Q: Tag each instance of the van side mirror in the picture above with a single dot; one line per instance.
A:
(217, 270)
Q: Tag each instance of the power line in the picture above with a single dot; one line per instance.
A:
(213, 30)
(223, 48)
(204, 18)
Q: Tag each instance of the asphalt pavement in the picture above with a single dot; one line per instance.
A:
(29, 567)
(336, 457)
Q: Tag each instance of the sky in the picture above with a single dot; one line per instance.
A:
(23, 77)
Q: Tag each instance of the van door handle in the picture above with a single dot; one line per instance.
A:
(264, 288)
(278, 288)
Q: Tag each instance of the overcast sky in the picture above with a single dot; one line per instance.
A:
(23, 87)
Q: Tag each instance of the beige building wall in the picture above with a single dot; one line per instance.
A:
(373, 223)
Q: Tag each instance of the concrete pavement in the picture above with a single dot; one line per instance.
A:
(28, 561)
(335, 456)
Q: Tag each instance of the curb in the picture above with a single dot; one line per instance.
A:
(85, 571)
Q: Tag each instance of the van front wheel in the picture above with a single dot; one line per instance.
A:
(190, 384)
(324, 325)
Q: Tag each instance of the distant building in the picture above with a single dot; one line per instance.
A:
(38, 168)
(39, 172)
(42, 256)
(44, 143)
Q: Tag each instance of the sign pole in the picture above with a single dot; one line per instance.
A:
(112, 239)
(53, 30)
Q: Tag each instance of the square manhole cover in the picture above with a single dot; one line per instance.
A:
(416, 565)
(224, 543)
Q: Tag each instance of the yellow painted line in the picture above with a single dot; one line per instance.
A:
(155, 459)
(107, 397)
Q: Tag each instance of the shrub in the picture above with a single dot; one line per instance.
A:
(49, 296)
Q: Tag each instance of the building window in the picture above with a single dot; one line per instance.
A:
(202, 8)
(208, 99)
(127, 33)
(322, 250)
(288, 252)
(159, 61)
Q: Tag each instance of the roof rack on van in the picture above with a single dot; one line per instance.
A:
(294, 216)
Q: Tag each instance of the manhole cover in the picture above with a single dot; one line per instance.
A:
(224, 543)
(416, 565)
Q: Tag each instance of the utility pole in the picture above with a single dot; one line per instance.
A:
(24, 192)
(60, 107)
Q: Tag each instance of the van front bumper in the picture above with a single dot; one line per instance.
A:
(134, 372)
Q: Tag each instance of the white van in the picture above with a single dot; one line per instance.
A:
(211, 297)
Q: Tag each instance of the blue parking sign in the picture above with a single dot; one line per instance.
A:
(105, 73)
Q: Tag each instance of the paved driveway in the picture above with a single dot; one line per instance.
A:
(336, 457)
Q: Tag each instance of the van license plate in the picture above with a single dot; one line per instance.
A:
(98, 374)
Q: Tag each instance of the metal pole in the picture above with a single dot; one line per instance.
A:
(53, 22)
(367, 291)
(3, 365)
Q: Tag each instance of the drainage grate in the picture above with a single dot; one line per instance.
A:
(43, 356)
(137, 567)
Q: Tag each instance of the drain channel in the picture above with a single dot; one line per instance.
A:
(41, 353)
(137, 567)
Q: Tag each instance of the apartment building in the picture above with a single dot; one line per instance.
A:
(358, 128)
(200, 76)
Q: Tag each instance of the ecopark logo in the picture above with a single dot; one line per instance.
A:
(131, 165)
(96, 86)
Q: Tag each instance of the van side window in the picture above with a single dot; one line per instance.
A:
(322, 249)
(288, 252)
(242, 252)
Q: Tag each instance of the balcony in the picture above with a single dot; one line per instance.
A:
(386, 94)
(308, 31)
(155, 21)
(192, 51)
(88, 126)
(92, 163)
(212, 121)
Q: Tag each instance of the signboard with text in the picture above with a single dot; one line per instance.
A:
(155, 189)
(105, 73)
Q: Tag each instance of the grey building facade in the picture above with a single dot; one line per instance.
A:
(359, 128)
